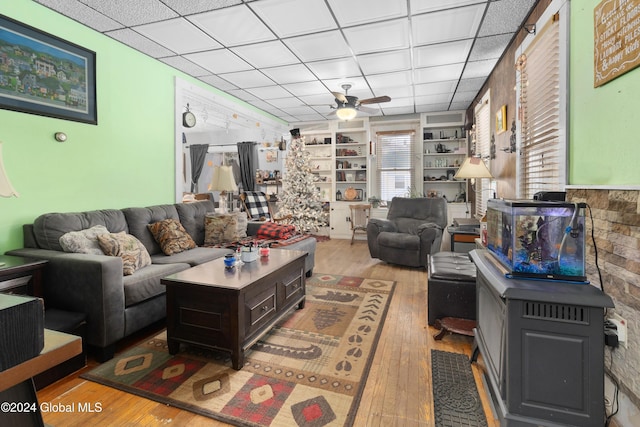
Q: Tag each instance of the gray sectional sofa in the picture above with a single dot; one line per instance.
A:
(116, 305)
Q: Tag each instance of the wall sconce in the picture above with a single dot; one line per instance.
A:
(60, 136)
(6, 189)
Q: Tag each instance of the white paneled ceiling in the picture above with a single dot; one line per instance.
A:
(286, 56)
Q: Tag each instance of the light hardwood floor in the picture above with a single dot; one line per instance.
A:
(398, 390)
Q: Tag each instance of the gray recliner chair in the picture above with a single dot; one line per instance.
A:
(412, 231)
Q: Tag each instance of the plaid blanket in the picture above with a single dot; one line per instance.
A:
(271, 230)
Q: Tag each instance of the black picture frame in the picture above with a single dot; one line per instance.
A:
(45, 75)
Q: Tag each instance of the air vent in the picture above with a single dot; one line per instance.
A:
(560, 312)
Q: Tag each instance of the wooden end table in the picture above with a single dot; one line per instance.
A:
(230, 309)
(20, 275)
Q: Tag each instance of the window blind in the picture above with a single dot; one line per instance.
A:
(542, 153)
(482, 148)
(394, 153)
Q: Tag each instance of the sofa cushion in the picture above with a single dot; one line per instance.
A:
(83, 241)
(224, 228)
(408, 242)
(256, 204)
(139, 218)
(171, 236)
(145, 283)
(192, 257)
(134, 255)
(192, 218)
(48, 228)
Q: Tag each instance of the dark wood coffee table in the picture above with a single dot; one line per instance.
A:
(211, 306)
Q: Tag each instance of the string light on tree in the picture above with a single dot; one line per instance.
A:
(300, 197)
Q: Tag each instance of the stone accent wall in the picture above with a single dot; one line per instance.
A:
(616, 224)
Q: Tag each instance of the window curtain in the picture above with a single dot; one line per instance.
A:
(248, 158)
(197, 153)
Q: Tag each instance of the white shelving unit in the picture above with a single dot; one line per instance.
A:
(444, 148)
(339, 157)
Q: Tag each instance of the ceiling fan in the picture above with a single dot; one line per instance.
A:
(347, 106)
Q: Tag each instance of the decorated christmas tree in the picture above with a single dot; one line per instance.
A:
(300, 197)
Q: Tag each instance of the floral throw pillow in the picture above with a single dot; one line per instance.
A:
(171, 236)
(133, 253)
(83, 241)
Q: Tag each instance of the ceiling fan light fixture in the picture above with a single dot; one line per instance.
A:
(346, 112)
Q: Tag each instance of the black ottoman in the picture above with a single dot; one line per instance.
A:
(451, 286)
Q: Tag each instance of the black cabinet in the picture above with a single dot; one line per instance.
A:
(542, 344)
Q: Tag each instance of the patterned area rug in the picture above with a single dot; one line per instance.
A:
(455, 397)
(310, 370)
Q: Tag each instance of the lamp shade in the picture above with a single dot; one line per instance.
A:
(6, 189)
(223, 179)
(473, 167)
(346, 112)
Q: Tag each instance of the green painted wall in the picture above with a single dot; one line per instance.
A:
(126, 160)
(604, 143)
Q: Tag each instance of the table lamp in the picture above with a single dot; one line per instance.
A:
(6, 189)
(471, 169)
(224, 182)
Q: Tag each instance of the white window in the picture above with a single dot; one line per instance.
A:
(394, 154)
(482, 149)
(541, 78)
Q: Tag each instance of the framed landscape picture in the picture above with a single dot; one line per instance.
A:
(45, 75)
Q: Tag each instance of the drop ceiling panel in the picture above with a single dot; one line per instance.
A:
(179, 35)
(442, 54)
(248, 79)
(378, 37)
(421, 6)
(435, 88)
(376, 63)
(219, 61)
(289, 74)
(448, 25)
(316, 47)
(504, 16)
(269, 92)
(278, 49)
(186, 66)
(335, 68)
(189, 7)
(83, 14)
(290, 18)
(379, 81)
(267, 54)
(438, 74)
(306, 88)
(490, 47)
(354, 12)
(233, 26)
(141, 43)
(132, 13)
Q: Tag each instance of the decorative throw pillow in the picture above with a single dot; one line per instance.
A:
(83, 241)
(133, 253)
(171, 236)
(224, 228)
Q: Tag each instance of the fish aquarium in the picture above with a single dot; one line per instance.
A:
(538, 239)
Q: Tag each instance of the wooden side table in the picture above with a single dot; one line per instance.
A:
(20, 275)
(16, 386)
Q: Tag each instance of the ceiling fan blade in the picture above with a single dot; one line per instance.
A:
(376, 100)
(369, 110)
(339, 96)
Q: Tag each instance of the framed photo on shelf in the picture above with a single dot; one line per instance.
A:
(359, 194)
(501, 119)
(55, 78)
(361, 176)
